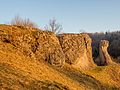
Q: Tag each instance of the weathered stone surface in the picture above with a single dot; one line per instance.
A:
(77, 49)
(104, 56)
(49, 48)
(34, 43)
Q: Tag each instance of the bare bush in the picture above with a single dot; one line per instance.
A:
(54, 26)
(23, 22)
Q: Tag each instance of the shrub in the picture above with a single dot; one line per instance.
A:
(23, 22)
(54, 26)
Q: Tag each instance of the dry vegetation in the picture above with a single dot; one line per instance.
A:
(54, 26)
(23, 22)
(108, 75)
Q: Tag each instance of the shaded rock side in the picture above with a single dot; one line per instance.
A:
(104, 56)
(34, 43)
(77, 49)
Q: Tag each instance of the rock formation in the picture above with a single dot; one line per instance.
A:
(77, 50)
(104, 56)
(34, 43)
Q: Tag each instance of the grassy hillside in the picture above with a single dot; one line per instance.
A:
(21, 72)
(109, 76)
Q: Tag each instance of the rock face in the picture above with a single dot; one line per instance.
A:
(77, 50)
(34, 43)
(104, 56)
(47, 48)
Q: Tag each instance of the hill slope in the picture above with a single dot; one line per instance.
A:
(20, 71)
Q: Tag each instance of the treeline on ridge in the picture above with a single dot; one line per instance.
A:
(114, 43)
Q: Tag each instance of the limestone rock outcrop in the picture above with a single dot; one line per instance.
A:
(34, 43)
(104, 56)
(77, 49)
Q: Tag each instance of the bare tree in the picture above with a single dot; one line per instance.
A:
(23, 22)
(54, 26)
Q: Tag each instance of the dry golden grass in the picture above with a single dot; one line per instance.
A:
(109, 76)
(14, 65)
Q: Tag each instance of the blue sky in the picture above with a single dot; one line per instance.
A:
(74, 15)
